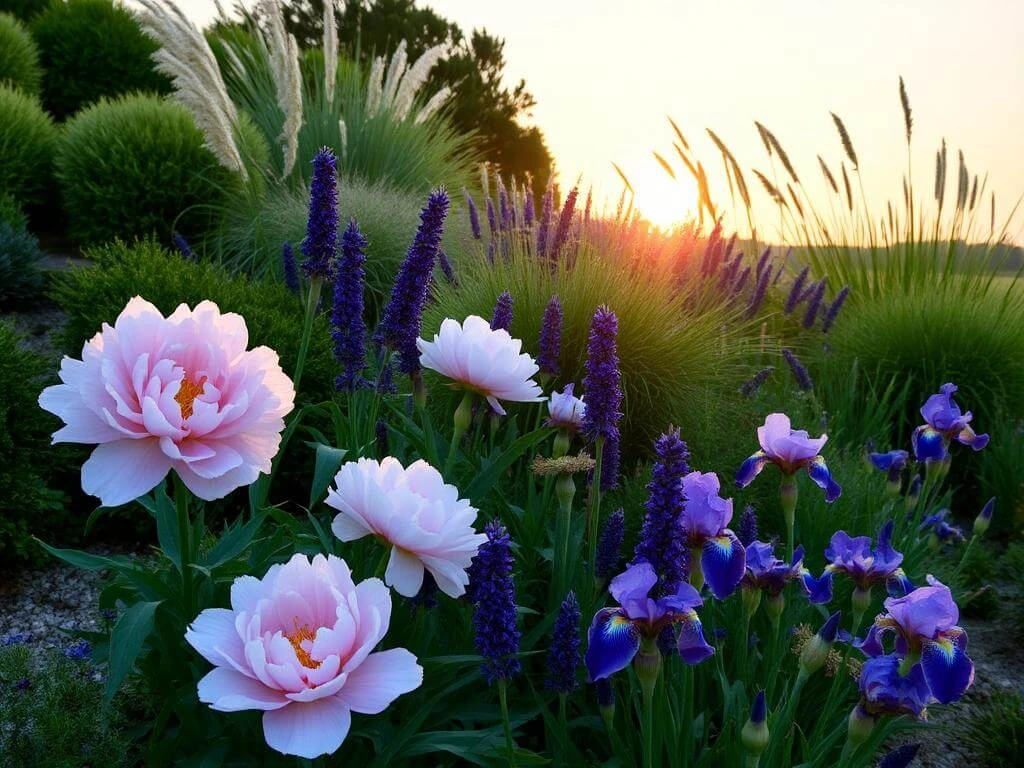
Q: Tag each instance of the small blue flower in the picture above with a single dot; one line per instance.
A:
(80, 651)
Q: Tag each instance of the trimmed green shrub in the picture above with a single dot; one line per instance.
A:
(23, 9)
(96, 295)
(27, 506)
(19, 57)
(90, 49)
(27, 141)
(20, 278)
(133, 166)
(11, 213)
(53, 714)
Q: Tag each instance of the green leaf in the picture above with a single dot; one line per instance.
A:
(234, 541)
(328, 460)
(126, 643)
(486, 479)
(84, 560)
(167, 526)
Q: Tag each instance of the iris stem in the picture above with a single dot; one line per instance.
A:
(788, 499)
(307, 328)
(565, 490)
(503, 699)
(181, 498)
(648, 725)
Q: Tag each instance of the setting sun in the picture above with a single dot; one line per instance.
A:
(664, 201)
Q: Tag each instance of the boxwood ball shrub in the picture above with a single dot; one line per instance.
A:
(27, 141)
(89, 49)
(20, 278)
(19, 57)
(146, 269)
(132, 166)
(12, 213)
(25, 10)
(27, 505)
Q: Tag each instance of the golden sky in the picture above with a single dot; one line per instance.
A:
(606, 73)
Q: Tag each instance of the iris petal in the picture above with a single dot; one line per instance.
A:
(819, 591)
(723, 561)
(929, 444)
(750, 469)
(969, 438)
(818, 471)
(947, 667)
(898, 584)
(692, 645)
(613, 642)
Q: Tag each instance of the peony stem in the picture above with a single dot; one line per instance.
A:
(565, 489)
(461, 420)
(181, 497)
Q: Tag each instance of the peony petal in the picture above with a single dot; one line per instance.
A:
(123, 470)
(380, 679)
(226, 690)
(404, 573)
(214, 635)
(308, 730)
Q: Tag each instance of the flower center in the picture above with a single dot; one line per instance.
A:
(188, 391)
(299, 636)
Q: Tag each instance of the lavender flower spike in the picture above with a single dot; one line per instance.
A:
(183, 247)
(747, 528)
(803, 378)
(550, 347)
(446, 267)
(474, 215)
(494, 597)
(833, 309)
(564, 222)
(290, 268)
(321, 244)
(529, 209)
(752, 385)
(347, 325)
(660, 542)
(609, 546)
(400, 322)
(610, 459)
(502, 318)
(602, 383)
(796, 290)
(564, 653)
(546, 208)
(814, 304)
(492, 219)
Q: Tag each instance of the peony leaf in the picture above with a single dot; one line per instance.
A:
(126, 642)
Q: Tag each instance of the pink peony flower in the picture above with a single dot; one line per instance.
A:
(488, 362)
(414, 511)
(298, 645)
(565, 410)
(177, 393)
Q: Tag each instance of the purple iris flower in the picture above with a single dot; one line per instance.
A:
(940, 528)
(716, 552)
(924, 623)
(884, 691)
(854, 556)
(892, 463)
(789, 450)
(616, 633)
(944, 421)
(766, 572)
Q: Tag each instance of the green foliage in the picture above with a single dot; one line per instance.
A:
(999, 475)
(994, 733)
(251, 240)
(96, 295)
(134, 166)
(27, 506)
(27, 140)
(19, 57)
(57, 720)
(90, 49)
(11, 213)
(20, 278)
(23, 9)
(674, 351)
